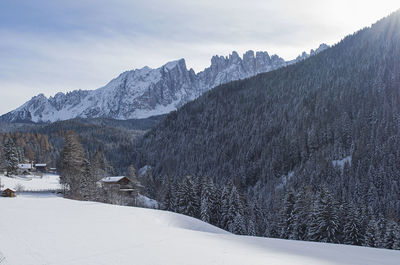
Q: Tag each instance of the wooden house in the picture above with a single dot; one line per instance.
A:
(121, 181)
(120, 184)
(8, 193)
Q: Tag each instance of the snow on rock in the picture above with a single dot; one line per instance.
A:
(285, 179)
(54, 230)
(142, 171)
(341, 162)
(146, 92)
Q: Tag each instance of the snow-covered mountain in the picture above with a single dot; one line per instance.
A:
(146, 92)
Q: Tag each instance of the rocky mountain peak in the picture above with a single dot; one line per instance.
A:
(145, 92)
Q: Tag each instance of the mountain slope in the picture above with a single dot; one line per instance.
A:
(284, 129)
(293, 105)
(147, 92)
(53, 230)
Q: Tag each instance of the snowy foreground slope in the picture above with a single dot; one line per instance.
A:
(52, 230)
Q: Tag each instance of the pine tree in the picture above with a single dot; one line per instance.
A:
(225, 203)
(187, 198)
(370, 234)
(2, 158)
(352, 228)
(251, 229)
(150, 184)
(234, 219)
(132, 172)
(287, 217)
(198, 187)
(301, 213)
(135, 183)
(238, 226)
(11, 156)
(313, 229)
(169, 195)
(325, 221)
(260, 221)
(88, 187)
(392, 235)
(99, 166)
(216, 207)
(20, 154)
(343, 213)
(381, 225)
(271, 228)
(73, 166)
(207, 200)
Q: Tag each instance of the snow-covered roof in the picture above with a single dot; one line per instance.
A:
(112, 179)
(24, 166)
(126, 189)
(40, 165)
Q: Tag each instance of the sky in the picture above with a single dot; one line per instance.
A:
(48, 46)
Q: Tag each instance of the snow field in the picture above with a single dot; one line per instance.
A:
(31, 182)
(51, 230)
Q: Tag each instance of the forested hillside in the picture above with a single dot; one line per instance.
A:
(313, 146)
(25, 146)
(112, 138)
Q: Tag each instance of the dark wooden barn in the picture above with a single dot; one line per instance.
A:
(8, 193)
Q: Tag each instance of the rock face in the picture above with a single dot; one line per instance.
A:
(146, 92)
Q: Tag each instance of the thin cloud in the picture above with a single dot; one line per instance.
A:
(48, 46)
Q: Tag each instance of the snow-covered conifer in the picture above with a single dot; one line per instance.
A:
(207, 200)
(187, 198)
(287, 218)
(11, 156)
(392, 235)
(325, 220)
(352, 228)
(370, 234)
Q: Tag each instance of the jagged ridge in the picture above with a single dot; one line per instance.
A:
(146, 92)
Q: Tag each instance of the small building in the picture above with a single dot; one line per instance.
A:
(122, 181)
(121, 184)
(24, 169)
(8, 193)
(41, 167)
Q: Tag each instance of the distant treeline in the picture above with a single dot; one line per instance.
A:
(27, 146)
(113, 138)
